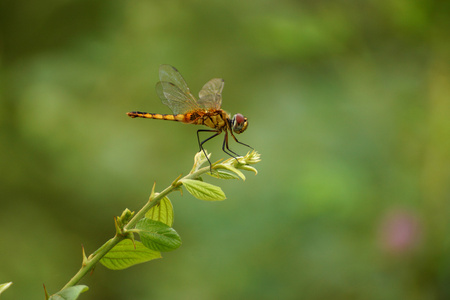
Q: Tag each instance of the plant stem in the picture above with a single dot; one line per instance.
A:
(90, 262)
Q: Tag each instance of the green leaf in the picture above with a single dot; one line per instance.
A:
(162, 212)
(203, 191)
(221, 174)
(4, 286)
(158, 236)
(125, 255)
(71, 293)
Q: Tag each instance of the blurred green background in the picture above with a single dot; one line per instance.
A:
(348, 103)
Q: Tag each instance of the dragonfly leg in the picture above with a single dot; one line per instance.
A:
(225, 145)
(204, 141)
(239, 142)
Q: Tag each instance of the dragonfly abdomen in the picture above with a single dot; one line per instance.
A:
(139, 114)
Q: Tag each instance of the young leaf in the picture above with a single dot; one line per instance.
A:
(252, 158)
(199, 160)
(249, 168)
(203, 191)
(162, 212)
(125, 255)
(71, 293)
(4, 286)
(234, 170)
(158, 236)
(221, 174)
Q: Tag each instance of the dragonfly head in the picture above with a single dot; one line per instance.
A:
(239, 123)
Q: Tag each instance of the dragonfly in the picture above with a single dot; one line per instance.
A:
(204, 110)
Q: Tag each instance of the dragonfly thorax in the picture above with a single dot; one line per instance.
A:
(239, 123)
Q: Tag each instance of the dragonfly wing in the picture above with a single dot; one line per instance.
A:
(210, 97)
(167, 73)
(176, 99)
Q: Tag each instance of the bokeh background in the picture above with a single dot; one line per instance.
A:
(348, 103)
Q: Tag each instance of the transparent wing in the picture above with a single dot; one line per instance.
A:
(174, 98)
(174, 92)
(210, 97)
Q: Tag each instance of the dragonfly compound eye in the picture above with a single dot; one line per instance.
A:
(239, 123)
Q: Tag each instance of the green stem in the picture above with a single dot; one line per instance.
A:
(90, 262)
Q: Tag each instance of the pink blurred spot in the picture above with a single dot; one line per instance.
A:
(399, 231)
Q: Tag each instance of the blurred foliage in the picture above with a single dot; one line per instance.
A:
(348, 103)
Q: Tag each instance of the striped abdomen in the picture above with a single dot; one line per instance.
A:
(178, 118)
(216, 119)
